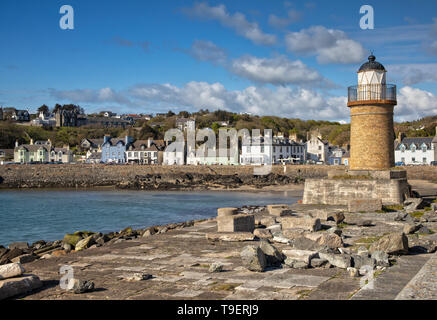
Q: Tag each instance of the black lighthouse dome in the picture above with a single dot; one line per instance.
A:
(371, 65)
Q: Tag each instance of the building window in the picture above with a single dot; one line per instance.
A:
(424, 160)
(262, 149)
(413, 148)
(423, 148)
(413, 159)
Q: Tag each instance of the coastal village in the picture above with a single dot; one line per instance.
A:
(362, 231)
(286, 148)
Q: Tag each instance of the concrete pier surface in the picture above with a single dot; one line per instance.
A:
(180, 261)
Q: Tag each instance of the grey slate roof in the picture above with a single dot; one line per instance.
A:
(417, 141)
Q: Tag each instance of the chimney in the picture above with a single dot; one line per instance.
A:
(31, 141)
(49, 141)
(149, 142)
(106, 138)
(16, 143)
(401, 136)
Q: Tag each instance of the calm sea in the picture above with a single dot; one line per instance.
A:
(31, 215)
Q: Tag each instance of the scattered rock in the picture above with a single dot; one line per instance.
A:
(273, 257)
(139, 276)
(295, 264)
(19, 245)
(300, 255)
(11, 270)
(25, 258)
(58, 253)
(411, 228)
(293, 233)
(318, 263)
(381, 258)
(393, 243)
(11, 254)
(17, 286)
(80, 286)
(335, 230)
(275, 228)
(67, 247)
(343, 261)
(413, 204)
(263, 233)
(253, 258)
(360, 261)
(84, 243)
(424, 230)
(338, 217)
(307, 223)
(353, 272)
(330, 240)
(362, 251)
(216, 267)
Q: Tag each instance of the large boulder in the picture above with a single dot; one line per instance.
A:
(360, 261)
(20, 245)
(273, 256)
(253, 258)
(392, 243)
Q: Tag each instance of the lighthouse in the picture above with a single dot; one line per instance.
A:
(371, 105)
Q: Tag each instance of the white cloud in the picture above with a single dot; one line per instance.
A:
(236, 21)
(329, 45)
(415, 103)
(277, 71)
(414, 73)
(207, 51)
(278, 22)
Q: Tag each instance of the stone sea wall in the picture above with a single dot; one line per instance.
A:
(165, 177)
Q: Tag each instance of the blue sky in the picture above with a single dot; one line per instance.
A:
(285, 58)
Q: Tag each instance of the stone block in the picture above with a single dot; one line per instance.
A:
(364, 205)
(276, 206)
(222, 212)
(236, 223)
(11, 270)
(279, 210)
(307, 223)
(15, 286)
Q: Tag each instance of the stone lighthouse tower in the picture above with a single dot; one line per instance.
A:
(371, 103)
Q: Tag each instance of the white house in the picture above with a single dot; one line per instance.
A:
(317, 149)
(184, 124)
(416, 150)
(174, 154)
(281, 150)
(143, 152)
